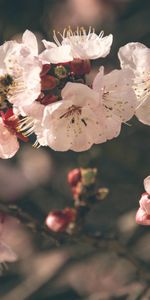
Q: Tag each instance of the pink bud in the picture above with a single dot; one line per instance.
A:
(45, 69)
(59, 220)
(74, 177)
(80, 67)
(143, 213)
(48, 82)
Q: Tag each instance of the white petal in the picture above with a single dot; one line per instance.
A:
(29, 82)
(121, 99)
(29, 39)
(89, 47)
(147, 184)
(112, 125)
(98, 83)
(101, 48)
(135, 56)
(143, 112)
(48, 44)
(80, 94)
(57, 55)
(8, 142)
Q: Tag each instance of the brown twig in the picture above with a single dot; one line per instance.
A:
(58, 239)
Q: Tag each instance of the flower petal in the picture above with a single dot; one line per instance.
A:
(29, 39)
(142, 218)
(143, 112)
(135, 56)
(8, 142)
(118, 95)
(80, 94)
(147, 184)
(56, 55)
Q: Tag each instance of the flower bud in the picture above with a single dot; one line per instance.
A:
(45, 69)
(143, 213)
(60, 220)
(74, 177)
(80, 67)
(88, 176)
(60, 72)
(48, 82)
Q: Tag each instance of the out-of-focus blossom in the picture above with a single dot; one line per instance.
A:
(143, 213)
(6, 253)
(19, 71)
(136, 56)
(60, 220)
(78, 44)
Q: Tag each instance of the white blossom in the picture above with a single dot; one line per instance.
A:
(19, 72)
(78, 44)
(89, 116)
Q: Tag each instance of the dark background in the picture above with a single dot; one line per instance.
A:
(35, 179)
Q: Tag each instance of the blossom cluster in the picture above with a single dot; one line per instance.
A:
(46, 94)
(143, 213)
(85, 194)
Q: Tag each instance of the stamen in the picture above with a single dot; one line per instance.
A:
(36, 144)
(56, 39)
(26, 126)
(101, 34)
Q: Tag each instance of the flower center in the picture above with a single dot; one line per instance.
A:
(6, 82)
(74, 116)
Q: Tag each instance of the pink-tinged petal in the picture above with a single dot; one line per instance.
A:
(147, 184)
(145, 203)
(143, 112)
(142, 218)
(8, 142)
(29, 39)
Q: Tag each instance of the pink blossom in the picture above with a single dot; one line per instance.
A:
(59, 220)
(143, 213)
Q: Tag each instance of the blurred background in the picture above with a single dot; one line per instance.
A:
(35, 179)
